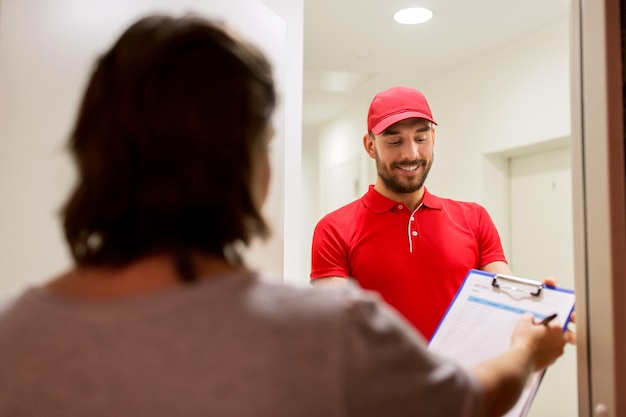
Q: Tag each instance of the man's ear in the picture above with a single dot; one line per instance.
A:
(368, 144)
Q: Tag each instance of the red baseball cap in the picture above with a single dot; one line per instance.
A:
(396, 104)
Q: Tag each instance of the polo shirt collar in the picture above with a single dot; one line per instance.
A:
(378, 203)
(431, 201)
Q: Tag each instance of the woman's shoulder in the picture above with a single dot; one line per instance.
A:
(345, 306)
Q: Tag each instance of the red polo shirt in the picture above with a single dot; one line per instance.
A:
(415, 260)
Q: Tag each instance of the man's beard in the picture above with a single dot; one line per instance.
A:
(412, 184)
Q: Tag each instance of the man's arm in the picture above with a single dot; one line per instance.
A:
(329, 281)
(497, 267)
(329, 265)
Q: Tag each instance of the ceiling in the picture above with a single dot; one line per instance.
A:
(350, 44)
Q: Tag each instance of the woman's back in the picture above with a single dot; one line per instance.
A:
(232, 345)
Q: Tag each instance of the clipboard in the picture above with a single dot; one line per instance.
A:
(480, 321)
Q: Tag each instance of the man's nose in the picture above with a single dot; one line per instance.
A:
(411, 150)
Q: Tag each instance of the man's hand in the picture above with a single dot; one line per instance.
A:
(570, 333)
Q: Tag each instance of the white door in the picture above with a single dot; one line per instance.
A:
(541, 246)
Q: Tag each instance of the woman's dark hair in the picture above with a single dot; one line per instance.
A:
(165, 141)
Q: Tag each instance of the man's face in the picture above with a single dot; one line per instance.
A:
(404, 155)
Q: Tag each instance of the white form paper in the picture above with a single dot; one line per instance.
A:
(480, 321)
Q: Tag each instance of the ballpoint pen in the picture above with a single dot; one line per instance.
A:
(548, 319)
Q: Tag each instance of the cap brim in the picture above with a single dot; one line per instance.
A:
(379, 127)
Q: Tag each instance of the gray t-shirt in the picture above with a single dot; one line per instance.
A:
(229, 346)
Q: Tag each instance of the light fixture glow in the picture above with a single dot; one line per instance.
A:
(413, 15)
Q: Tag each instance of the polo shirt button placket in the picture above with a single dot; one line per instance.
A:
(414, 232)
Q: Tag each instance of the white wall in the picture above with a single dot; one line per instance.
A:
(281, 255)
(47, 48)
(310, 203)
(516, 98)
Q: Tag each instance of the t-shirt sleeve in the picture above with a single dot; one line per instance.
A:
(390, 372)
(329, 251)
(489, 243)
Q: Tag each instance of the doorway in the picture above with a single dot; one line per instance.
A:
(541, 237)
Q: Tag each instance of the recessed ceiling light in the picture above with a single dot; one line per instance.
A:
(413, 15)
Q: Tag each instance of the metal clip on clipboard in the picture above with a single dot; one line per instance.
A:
(528, 282)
